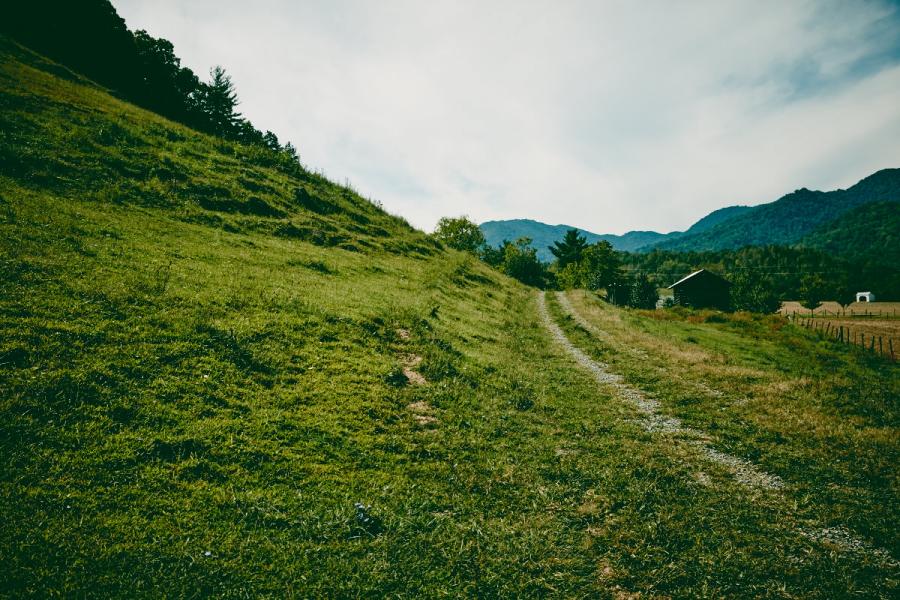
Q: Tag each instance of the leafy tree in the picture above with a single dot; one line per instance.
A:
(781, 270)
(753, 293)
(600, 266)
(520, 262)
(88, 36)
(570, 276)
(168, 88)
(813, 290)
(569, 249)
(494, 256)
(643, 293)
(459, 233)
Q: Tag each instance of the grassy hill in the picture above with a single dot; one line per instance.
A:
(223, 375)
(787, 220)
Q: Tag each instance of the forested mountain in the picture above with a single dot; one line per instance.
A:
(711, 220)
(869, 232)
(792, 219)
(543, 235)
(787, 220)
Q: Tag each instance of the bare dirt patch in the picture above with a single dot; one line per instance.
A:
(843, 540)
(409, 361)
(422, 412)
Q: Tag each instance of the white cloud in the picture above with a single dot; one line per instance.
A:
(610, 116)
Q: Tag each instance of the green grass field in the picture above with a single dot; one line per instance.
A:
(202, 393)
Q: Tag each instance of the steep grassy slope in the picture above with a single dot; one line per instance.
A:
(64, 144)
(789, 218)
(210, 385)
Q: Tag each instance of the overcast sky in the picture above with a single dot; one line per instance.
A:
(610, 116)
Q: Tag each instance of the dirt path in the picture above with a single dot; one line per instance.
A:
(633, 352)
(654, 420)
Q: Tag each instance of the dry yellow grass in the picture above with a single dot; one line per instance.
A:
(873, 308)
(791, 307)
(709, 366)
(886, 332)
(832, 308)
(767, 397)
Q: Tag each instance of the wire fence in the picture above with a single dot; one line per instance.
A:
(858, 336)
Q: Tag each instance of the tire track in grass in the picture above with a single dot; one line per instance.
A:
(653, 420)
(634, 352)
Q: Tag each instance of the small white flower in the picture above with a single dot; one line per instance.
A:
(207, 553)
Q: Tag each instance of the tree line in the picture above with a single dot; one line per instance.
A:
(90, 37)
(761, 276)
(577, 265)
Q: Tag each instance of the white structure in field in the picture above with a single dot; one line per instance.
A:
(865, 297)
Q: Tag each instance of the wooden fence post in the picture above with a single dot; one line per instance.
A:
(880, 347)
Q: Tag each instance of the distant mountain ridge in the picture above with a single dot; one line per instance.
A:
(712, 219)
(787, 221)
(543, 235)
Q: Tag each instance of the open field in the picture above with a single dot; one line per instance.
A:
(223, 377)
(884, 309)
(766, 391)
(835, 309)
(873, 334)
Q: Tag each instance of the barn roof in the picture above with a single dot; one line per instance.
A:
(694, 274)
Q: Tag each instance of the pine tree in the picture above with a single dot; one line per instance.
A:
(219, 103)
(569, 249)
(271, 141)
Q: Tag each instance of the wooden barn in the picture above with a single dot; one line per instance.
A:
(702, 289)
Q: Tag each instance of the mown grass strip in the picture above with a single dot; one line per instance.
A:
(838, 536)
